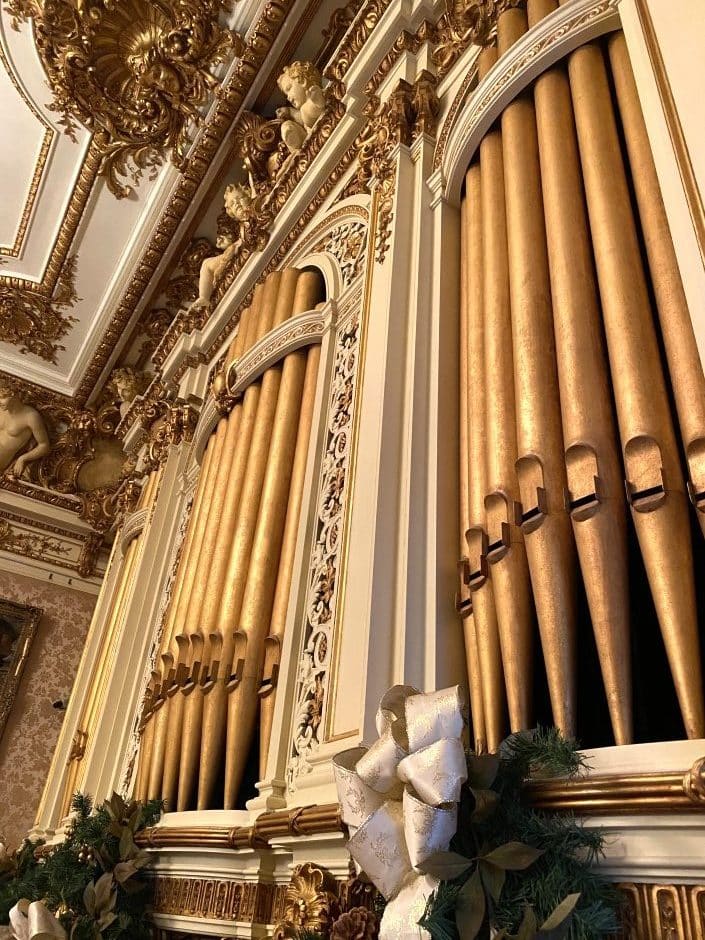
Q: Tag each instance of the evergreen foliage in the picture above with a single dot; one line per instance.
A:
(94, 878)
(513, 868)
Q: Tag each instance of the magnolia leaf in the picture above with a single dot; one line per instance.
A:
(513, 856)
(470, 907)
(482, 771)
(557, 925)
(127, 845)
(105, 895)
(89, 898)
(528, 927)
(115, 828)
(124, 870)
(141, 859)
(445, 865)
(485, 803)
(493, 879)
(106, 920)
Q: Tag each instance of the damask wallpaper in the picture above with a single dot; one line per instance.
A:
(33, 727)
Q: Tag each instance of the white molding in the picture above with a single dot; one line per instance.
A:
(133, 525)
(557, 34)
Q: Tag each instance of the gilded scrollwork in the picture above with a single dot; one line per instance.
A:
(311, 902)
(36, 321)
(466, 23)
(136, 73)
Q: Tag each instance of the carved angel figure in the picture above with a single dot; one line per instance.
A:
(19, 424)
(127, 384)
(301, 83)
(239, 204)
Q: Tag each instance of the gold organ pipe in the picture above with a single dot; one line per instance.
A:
(540, 468)
(185, 713)
(654, 480)
(506, 551)
(464, 603)
(595, 488)
(232, 653)
(263, 559)
(170, 706)
(164, 676)
(268, 690)
(483, 606)
(241, 421)
(684, 362)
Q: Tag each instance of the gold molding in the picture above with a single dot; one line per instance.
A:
(14, 250)
(663, 912)
(623, 794)
(675, 128)
(299, 821)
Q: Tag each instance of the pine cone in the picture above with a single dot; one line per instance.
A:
(357, 924)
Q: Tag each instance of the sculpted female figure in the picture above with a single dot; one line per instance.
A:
(19, 423)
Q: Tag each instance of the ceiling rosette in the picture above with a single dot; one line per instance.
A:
(137, 73)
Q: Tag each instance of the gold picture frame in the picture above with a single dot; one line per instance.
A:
(18, 628)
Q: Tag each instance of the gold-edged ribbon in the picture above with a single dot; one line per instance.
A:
(33, 921)
(399, 798)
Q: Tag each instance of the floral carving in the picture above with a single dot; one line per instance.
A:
(465, 23)
(356, 924)
(311, 901)
(35, 321)
(312, 677)
(135, 73)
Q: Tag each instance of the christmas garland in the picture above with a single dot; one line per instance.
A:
(515, 872)
(92, 883)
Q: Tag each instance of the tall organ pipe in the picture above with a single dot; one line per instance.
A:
(654, 480)
(595, 491)
(464, 602)
(165, 677)
(228, 620)
(484, 614)
(168, 717)
(215, 555)
(684, 362)
(272, 650)
(506, 552)
(266, 545)
(540, 468)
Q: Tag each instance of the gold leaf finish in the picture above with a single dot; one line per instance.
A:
(135, 73)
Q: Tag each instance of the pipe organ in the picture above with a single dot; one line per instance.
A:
(448, 426)
(569, 288)
(219, 652)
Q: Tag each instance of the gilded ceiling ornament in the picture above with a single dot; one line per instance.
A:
(35, 321)
(136, 73)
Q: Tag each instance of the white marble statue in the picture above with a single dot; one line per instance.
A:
(238, 201)
(301, 83)
(19, 424)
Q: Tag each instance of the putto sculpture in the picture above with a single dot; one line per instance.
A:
(19, 424)
(301, 83)
(242, 207)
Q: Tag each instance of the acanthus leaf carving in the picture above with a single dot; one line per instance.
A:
(35, 321)
(136, 73)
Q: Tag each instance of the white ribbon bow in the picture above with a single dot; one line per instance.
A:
(399, 799)
(33, 921)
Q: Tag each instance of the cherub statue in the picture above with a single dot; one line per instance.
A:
(301, 83)
(239, 206)
(127, 384)
(19, 424)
